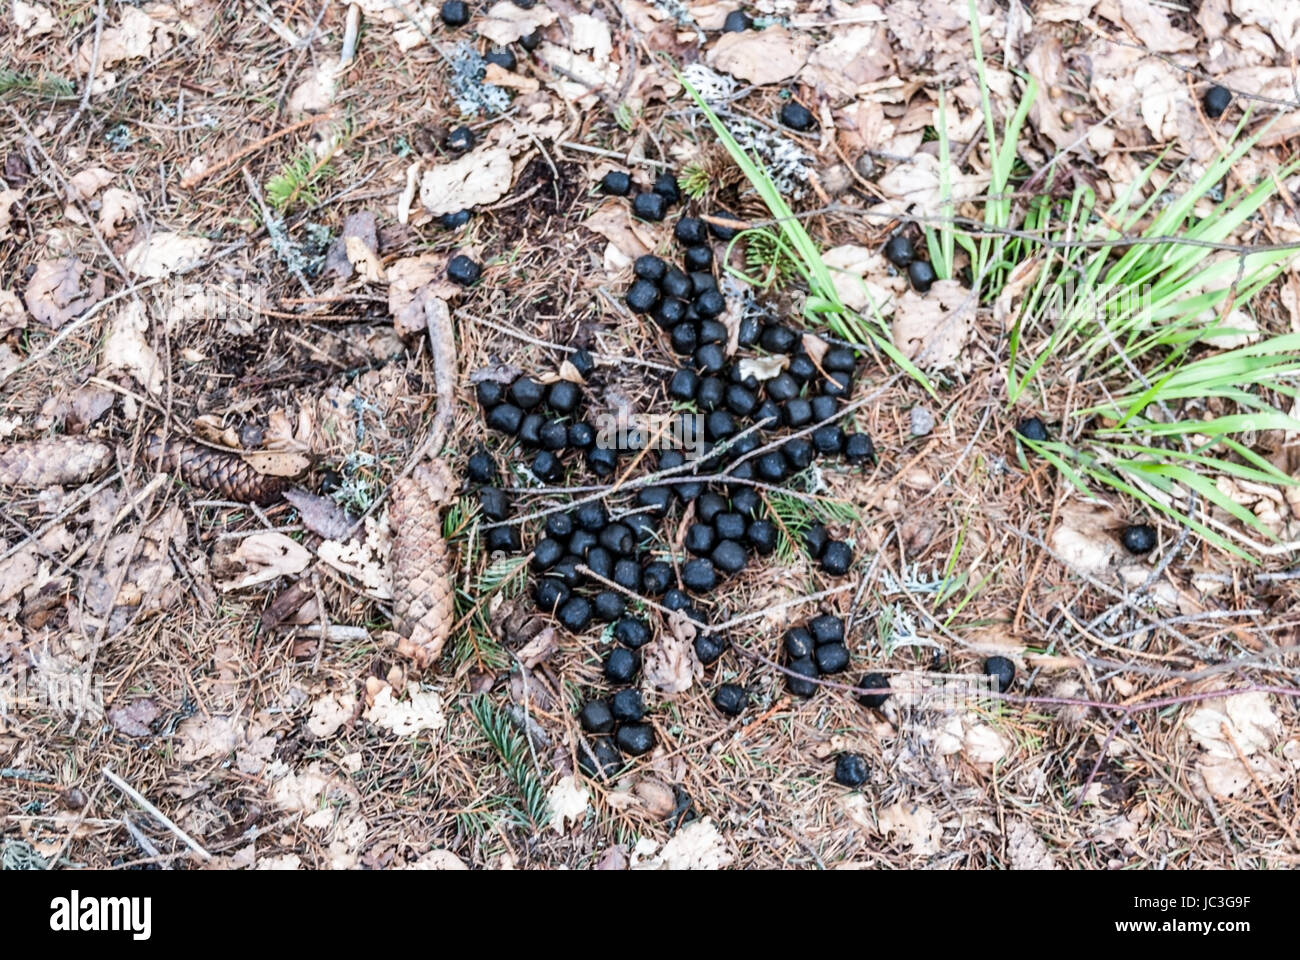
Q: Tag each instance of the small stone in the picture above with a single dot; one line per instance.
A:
(921, 421)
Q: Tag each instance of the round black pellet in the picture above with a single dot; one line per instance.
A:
(581, 435)
(494, 503)
(750, 330)
(627, 574)
(874, 681)
(609, 605)
(559, 526)
(502, 57)
(899, 251)
(858, 448)
(731, 699)
(730, 525)
(526, 393)
(642, 296)
(710, 394)
(553, 435)
(710, 304)
(563, 396)
(815, 539)
(592, 516)
(616, 183)
(461, 269)
(618, 539)
(690, 231)
(850, 770)
(772, 467)
(642, 525)
(838, 383)
(699, 257)
(698, 575)
(700, 538)
(832, 657)
(581, 541)
(654, 499)
(802, 367)
(720, 231)
(621, 665)
(708, 648)
(601, 561)
(482, 468)
(454, 13)
(838, 358)
(665, 185)
(596, 717)
(712, 331)
(1216, 101)
(719, 425)
(837, 558)
(530, 430)
(454, 221)
(669, 313)
(826, 628)
(746, 502)
(460, 139)
(649, 267)
(575, 614)
(567, 570)
(797, 117)
(1001, 670)
(635, 738)
(799, 453)
(782, 387)
(761, 535)
(1139, 538)
(582, 362)
(778, 339)
(921, 274)
(1032, 428)
(649, 206)
(607, 759)
(798, 643)
(505, 418)
(737, 21)
(823, 407)
(729, 557)
(797, 412)
(626, 706)
(829, 440)
(768, 415)
(656, 577)
(805, 672)
(685, 337)
(632, 632)
(547, 554)
(677, 284)
(489, 393)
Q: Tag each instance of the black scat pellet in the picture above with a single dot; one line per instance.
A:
(581, 540)
(702, 282)
(730, 525)
(649, 206)
(582, 362)
(712, 332)
(858, 448)
(921, 274)
(798, 453)
(596, 717)
(642, 525)
(559, 526)
(656, 577)
(553, 435)
(609, 605)
(530, 430)
(838, 383)
(621, 665)
(772, 467)
(607, 759)
(502, 57)
(777, 338)
(642, 296)
(741, 400)
(632, 632)
(567, 570)
(684, 337)
(797, 117)
(798, 643)
(709, 505)
(1139, 538)
(690, 231)
(698, 575)
(505, 418)
(668, 313)
(837, 558)
(550, 593)
(899, 251)
(1002, 670)
(461, 269)
(616, 183)
(602, 461)
(1032, 428)
(1215, 101)
(710, 358)
(742, 445)
(838, 358)
(592, 516)
(600, 561)
(708, 648)
(460, 139)
(750, 330)
(801, 684)
(781, 388)
(332, 480)
(874, 681)
(729, 557)
(677, 284)
(627, 574)
(731, 699)
(649, 267)
(627, 707)
(719, 425)
(737, 376)
(686, 492)
(700, 538)
(802, 367)
(503, 538)
(671, 459)
(699, 257)
(710, 304)
(526, 393)
(563, 396)
(768, 415)
(796, 412)
(454, 13)
(454, 221)
(826, 628)
(824, 407)
(721, 231)
(494, 503)
(850, 770)
(635, 738)
(654, 499)
(482, 468)
(581, 435)
(547, 554)
(815, 539)
(710, 394)
(762, 535)
(666, 186)
(829, 440)
(617, 539)
(489, 393)
(832, 657)
(737, 21)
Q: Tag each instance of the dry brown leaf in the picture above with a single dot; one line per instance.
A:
(263, 557)
(321, 515)
(760, 56)
(933, 329)
(504, 22)
(278, 463)
(1151, 25)
(914, 825)
(12, 314)
(851, 59)
(88, 182)
(134, 718)
(669, 663)
(421, 711)
(480, 177)
(55, 294)
(115, 206)
(567, 801)
(126, 349)
(33, 19)
(613, 221)
(162, 254)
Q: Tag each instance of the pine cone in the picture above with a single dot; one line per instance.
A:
(58, 461)
(424, 607)
(224, 473)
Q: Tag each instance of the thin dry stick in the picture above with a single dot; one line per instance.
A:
(90, 74)
(197, 178)
(153, 811)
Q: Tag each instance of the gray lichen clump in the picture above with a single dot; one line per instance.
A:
(473, 95)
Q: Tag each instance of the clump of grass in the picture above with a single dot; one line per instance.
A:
(46, 86)
(694, 181)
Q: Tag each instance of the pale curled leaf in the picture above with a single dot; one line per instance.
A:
(263, 557)
(568, 802)
(480, 177)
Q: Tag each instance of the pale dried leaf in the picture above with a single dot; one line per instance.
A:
(115, 206)
(567, 801)
(422, 711)
(504, 22)
(33, 19)
(933, 329)
(1250, 721)
(321, 515)
(480, 177)
(330, 712)
(134, 718)
(89, 181)
(54, 294)
(760, 56)
(914, 825)
(669, 663)
(162, 254)
(206, 738)
(126, 349)
(263, 557)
